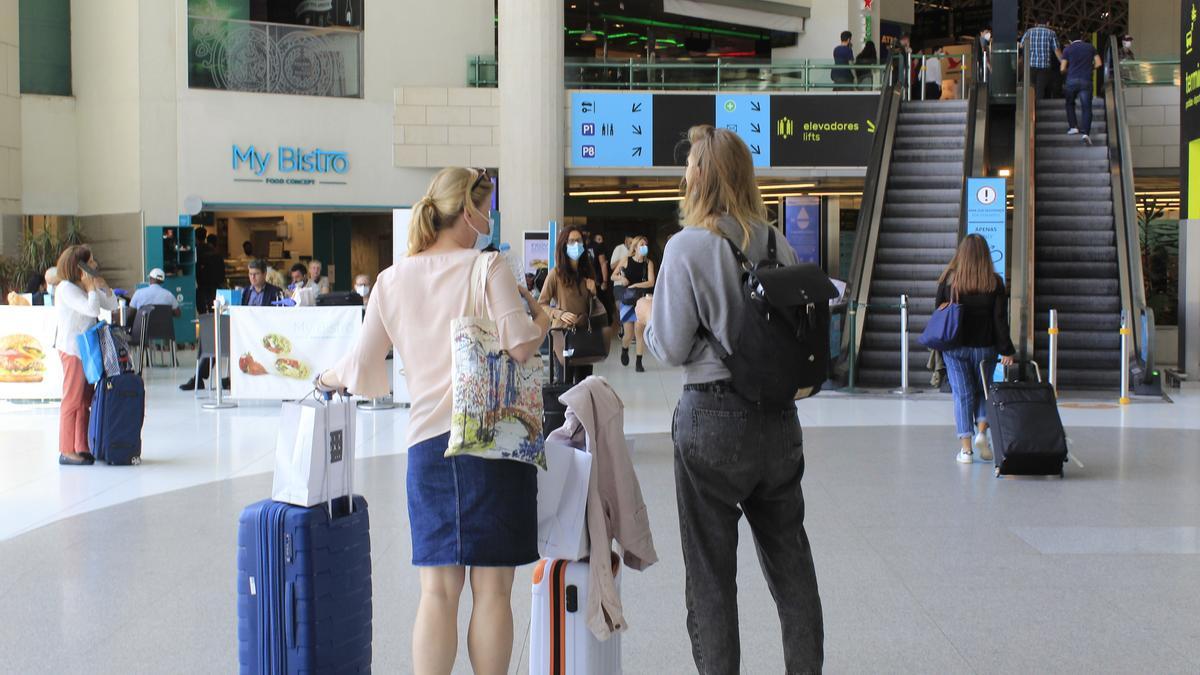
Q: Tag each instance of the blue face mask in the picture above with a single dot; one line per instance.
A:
(575, 250)
(482, 241)
(643, 250)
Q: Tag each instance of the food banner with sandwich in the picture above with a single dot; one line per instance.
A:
(29, 365)
(276, 352)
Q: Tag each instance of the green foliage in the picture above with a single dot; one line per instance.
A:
(39, 251)
(1159, 240)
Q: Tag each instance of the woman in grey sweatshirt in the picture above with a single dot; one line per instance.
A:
(732, 456)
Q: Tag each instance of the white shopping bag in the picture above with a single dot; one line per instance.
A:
(314, 452)
(562, 503)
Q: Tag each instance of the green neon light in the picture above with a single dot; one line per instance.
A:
(680, 26)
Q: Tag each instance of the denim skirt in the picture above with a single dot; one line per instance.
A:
(470, 511)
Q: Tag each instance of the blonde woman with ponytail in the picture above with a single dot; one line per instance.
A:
(732, 456)
(470, 518)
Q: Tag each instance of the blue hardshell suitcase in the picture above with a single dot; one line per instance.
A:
(115, 424)
(304, 588)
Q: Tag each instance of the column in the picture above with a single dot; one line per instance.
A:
(532, 127)
(10, 131)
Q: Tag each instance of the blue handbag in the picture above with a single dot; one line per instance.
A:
(90, 354)
(941, 333)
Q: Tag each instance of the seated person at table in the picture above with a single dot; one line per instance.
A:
(154, 294)
(299, 277)
(259, 293)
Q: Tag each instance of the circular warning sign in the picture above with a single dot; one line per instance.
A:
(986, 195)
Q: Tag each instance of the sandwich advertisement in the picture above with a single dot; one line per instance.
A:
(277, 351)
(30, 367)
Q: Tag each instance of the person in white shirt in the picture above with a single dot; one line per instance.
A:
(620, 253)
(932, 76)
(315, 279)
(154, 294)
(78, 299)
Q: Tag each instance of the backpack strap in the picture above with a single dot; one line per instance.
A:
(771, 244)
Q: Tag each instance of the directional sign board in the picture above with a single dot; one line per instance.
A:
(986, 215)
(748, 116)
(611, 129)
(634, 129)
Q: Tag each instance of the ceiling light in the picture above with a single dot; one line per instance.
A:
(1004, 173)
(594, 193)
(676, 198)
(787, 186)
(588, 35)
(656, 191)
(623, 200)
(836, 194)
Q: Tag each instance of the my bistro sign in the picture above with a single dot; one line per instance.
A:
(295, 165)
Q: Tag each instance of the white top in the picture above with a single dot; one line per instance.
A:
(619, 253)
(77, 311)
(933, 70)
(154, 294)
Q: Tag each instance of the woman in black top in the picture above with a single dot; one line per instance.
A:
(635, 273)
(867, 57)
(971, 281)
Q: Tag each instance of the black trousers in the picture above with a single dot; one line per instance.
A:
(1043, 82)
(733, 457)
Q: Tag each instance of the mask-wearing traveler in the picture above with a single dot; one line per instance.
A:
(971, 281)
(454, 503)
(568, 292)
(636, 276)
(732, 456)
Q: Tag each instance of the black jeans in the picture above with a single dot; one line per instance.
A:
(1043, 82)
(733, 457)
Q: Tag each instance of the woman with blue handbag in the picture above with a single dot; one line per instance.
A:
(971, 283)
(78, 299)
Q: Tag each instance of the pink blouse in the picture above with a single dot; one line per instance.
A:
(411, 308)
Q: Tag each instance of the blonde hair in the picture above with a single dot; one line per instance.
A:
(724, 183)
(971, 270)
(450, 193)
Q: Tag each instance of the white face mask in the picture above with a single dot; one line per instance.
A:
(362, 289)
(1128, 44)
(481, 240)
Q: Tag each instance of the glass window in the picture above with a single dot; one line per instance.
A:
(45, 52)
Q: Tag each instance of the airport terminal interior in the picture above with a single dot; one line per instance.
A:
(220, 157)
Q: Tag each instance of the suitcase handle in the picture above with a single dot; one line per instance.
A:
(984, 376)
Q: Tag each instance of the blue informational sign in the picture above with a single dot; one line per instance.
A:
(802, 227)
(748, 116)
(986, 213)
(553, 240)
(612, 129)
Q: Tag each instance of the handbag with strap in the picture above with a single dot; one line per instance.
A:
(589, 344)
(944, 327)
(497, 400)
(88, 343)
(630, 296)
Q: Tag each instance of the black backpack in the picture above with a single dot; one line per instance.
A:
(781, 352)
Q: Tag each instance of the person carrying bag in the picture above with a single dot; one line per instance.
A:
(580, 333)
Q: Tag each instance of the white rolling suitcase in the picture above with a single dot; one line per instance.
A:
(560, 642)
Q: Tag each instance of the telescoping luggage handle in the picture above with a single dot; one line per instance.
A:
(324, 397)
(983, 373)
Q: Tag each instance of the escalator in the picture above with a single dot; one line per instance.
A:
(1076, 248)
(909, 227)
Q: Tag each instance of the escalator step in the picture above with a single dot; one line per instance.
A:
(1099, 138)
(1081, 340)
(1084, 322)
(1076, 238)
(885, 303)
(911, 271)
(1068, 165)
(911, 287)
(1080, 208)
(906, 224)
(1047, 222)
(1070, 152)
(930, 130)
(930, 143)
(928, 155)
(1076, 378)
(919, 240)
(1079, 303)
(921, 209)
(919, 182)
(899, 196)
(1053, 179)
(1048, 192)
(1071, 254)
(936, 255)
(1089, 287)
(929, 168)
(923, 117)
(1074, 269)
(934, 106)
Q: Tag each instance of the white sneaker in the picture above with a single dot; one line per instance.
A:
(1072, 131)
(965, 457)
(1087, 140)
(982, 446)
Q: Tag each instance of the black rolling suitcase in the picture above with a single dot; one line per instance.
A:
(554, 413)
(1027, 432)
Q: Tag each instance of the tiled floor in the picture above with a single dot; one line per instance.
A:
(924, 565)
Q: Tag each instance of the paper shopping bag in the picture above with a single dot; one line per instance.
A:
(562, 503)
(314, 452)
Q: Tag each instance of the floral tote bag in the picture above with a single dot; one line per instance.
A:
(497, 401)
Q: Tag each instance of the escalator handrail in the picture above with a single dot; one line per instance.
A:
(976, 143)
(866, 238)
(1133, 292)
(1021, 298)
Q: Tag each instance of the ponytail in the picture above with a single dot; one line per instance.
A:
(452, 191)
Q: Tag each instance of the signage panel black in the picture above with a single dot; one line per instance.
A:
(822, 130)
(674, 114)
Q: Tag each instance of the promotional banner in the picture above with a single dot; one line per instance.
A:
(277, 351)
(635, 129)
(802, 227)
(537, 252)
(986, 213)
(30, 367)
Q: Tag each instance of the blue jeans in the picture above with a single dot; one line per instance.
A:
(962, 366)
(1082, 90)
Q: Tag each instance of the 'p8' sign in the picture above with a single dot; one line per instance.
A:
(588, 151)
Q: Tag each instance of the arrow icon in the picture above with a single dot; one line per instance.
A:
(756, 106)
(755, 150)
(637, 107)
(637, 152)
(870, 127)
(637, 130)
(754, 128)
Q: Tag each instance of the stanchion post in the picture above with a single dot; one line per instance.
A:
(1053, 350)
(903, 390)
(220, 403)
(377, 403)
(1125, 333)
(852, 315)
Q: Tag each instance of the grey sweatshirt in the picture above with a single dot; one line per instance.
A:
(699, 284)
